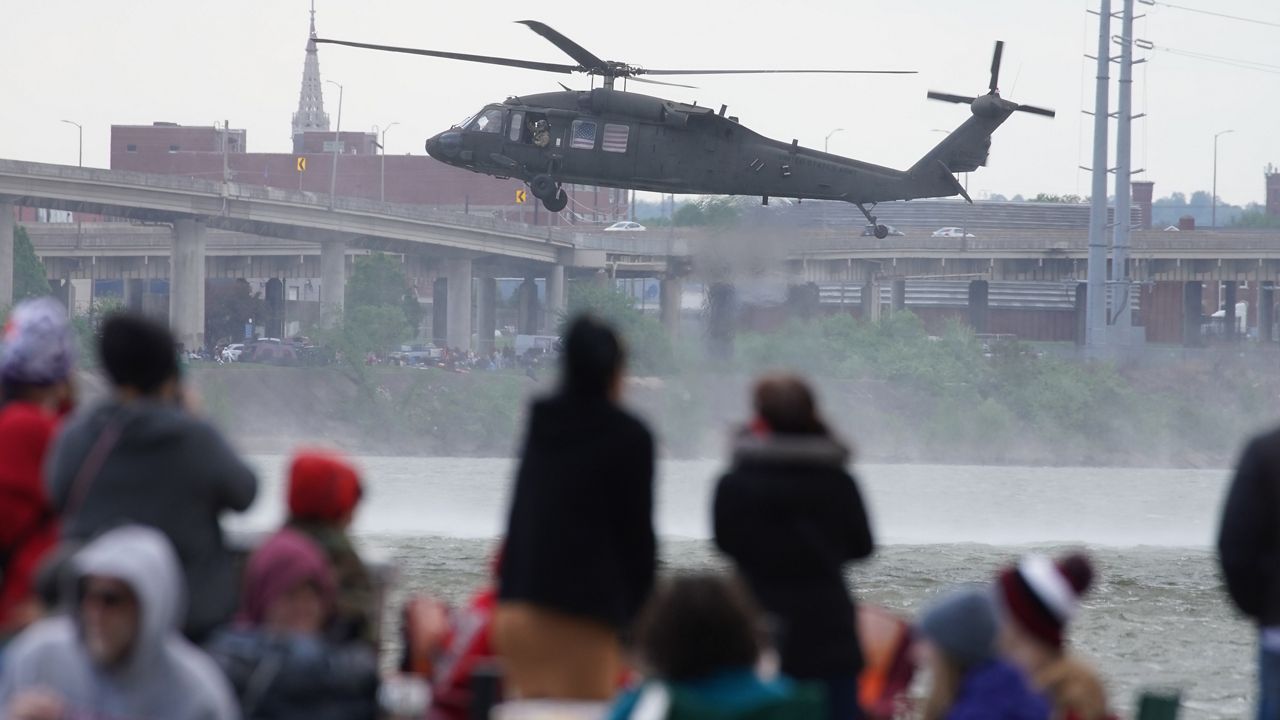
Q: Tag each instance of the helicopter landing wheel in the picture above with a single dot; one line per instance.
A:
(882, 232)
(558, 202)
(544, 187)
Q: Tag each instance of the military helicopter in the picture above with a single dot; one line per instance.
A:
(620, 139)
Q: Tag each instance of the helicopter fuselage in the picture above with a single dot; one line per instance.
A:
(617, 139)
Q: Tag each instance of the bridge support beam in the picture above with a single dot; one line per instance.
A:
(898, 296)
(979, 313)
(6, 253)
(557, 298)
(486, 314)
(1266, 313)
(1192, 312)
(333, 279)
(527, 307)
(1229, 322)
(671, 293)
(871, 301)
(457, 272)
(186, 283)
(1082, 313)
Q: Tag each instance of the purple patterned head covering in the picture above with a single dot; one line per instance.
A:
(38, 347)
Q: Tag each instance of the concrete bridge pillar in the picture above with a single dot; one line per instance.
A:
(6, 253)
(671, 292)
(1229, 297)
(979, 313)
(486, 314)
(1082, 312)
(333, 278)
(871, 301)
(186, 283)
(898, 296)
(1192, 310)
(457, 272)
(722, 311)
(1266, 313)
(527, 307)
(557, 299)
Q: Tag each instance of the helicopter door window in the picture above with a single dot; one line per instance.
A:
(517, 126)
(614, 139)
(583, 135)
(488, 121)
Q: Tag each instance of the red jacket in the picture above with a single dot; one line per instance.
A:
(28, 528)
(468, 645)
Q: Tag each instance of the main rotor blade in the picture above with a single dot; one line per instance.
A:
(659, 82)
(948, 97)
(995, 65)
(509, 62)
(646, 71)
(1037, 110)
(587, 59)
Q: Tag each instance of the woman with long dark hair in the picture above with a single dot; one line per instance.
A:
(579, 552)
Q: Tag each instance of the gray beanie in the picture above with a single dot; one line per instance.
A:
(963, 626)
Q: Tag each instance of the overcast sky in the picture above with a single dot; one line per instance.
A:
(100, 62)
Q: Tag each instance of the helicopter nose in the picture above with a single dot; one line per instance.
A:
(446, 145)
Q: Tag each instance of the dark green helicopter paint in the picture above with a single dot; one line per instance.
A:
(612, 138)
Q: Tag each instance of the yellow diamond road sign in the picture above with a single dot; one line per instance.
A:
(302, 164)
(520, 197)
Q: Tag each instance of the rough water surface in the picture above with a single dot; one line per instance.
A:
(1158, 616)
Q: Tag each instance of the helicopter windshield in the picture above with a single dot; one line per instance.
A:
(488, 120)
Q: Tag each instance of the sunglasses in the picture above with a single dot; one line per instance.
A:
(107, 599)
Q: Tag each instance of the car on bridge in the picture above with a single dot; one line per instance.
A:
(870, 231)
(952, 232)
(625, 226)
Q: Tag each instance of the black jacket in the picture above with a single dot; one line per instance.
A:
(166, 469)
(580, 535)
(790, 516)
(1249, 539)
(296, 677)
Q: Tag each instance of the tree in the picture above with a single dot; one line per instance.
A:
(708, 211)
(378, 280)
(29, 277)
(1065, 199)
(648, 347)
(228, 308)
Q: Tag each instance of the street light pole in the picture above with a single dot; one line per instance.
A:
(1214, 201)
(827, 142)
(337, 134)
(80, 132)
(382, 172)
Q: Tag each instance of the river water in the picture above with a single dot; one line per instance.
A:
(1157, 617)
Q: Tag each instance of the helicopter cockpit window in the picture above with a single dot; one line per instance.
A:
(517, 126)
(583, 135)
(489, 121)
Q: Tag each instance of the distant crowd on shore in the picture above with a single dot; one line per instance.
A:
(121, 598)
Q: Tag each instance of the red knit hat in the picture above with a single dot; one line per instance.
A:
(1043, 595)
(322, 486)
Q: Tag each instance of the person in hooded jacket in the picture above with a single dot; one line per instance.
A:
(37, 358)
(580, 551)
(790, 516)
(279, 655)
(969, 681)
(142, 457)
(1039, 598)
(118, 653)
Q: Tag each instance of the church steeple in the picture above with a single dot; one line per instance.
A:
(310, 115)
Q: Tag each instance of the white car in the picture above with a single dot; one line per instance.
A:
(952, 232)
(625, 226)
(231, 353)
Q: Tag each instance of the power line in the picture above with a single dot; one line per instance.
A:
(1233, 62)
(1255, 21)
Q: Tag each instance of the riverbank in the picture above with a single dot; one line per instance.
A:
(1182, 420)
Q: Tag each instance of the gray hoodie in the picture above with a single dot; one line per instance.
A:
(166, 469)
(165, 676)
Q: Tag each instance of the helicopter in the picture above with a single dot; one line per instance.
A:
(614, 138)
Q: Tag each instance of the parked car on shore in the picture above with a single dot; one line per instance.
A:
(232, 352)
